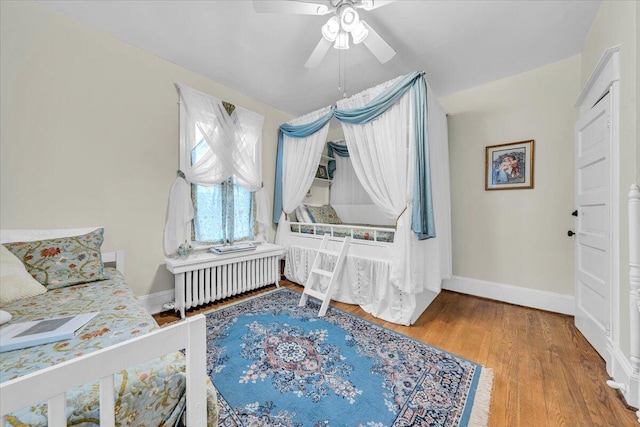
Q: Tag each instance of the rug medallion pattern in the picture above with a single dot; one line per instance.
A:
(277, 364)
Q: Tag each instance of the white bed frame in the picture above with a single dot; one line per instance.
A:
(51, 383)
(368, 249)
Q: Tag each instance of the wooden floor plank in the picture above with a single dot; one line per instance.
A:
(545, 372)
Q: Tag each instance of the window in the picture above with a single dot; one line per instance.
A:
(223, 212)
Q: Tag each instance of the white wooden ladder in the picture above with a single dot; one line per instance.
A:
(325, 296)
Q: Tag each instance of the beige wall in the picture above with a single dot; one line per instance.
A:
(89, 135)
(617, 24)
(515, 237)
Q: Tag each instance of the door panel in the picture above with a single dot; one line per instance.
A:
(590, 176)
(593, 255)
(594, 219)
(592, 134)
(593, 263)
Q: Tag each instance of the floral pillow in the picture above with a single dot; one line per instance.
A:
(323, 214)
(64, 261)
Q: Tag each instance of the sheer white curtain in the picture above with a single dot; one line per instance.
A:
(346, 188)
(233, 148)
(247, 157)
(381, 154)
(299, 165)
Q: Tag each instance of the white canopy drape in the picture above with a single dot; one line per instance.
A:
(380, 153)
(300, 163)
(233, 149)
(346, 187)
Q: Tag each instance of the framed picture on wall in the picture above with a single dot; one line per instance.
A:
(322, 172)
(509, 166)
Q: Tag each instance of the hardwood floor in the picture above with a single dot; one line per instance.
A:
(545, 372)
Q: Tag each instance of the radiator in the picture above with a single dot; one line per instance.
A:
(205, 278)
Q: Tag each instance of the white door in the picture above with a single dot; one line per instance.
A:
(593, 234)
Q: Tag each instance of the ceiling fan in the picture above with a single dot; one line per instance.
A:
(345, 20)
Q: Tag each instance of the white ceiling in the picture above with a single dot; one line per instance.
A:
(460, 44)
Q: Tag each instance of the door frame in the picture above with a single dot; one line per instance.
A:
(606, 78)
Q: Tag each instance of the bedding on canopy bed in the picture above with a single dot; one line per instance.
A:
(396, 139)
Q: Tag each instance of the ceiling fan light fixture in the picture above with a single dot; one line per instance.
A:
(359, 33)
(331, 29)
(342, 41)
(367, 4)
(349, 18)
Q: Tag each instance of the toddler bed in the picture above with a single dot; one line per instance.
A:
(150, 393)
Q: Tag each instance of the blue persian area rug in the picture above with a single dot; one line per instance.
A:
(277, 364)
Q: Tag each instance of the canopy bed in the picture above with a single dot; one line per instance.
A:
(396, 143)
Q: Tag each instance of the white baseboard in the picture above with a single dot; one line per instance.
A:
(543, 300)
(153, 302)
(620, 370)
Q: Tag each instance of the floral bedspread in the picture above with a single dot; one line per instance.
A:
(151, 394)
(361, 232)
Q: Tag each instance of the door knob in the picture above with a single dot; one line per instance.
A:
(570, 233)
(575, 213)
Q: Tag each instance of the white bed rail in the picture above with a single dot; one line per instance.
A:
(116, 258)
(51, 383)
(296, 227)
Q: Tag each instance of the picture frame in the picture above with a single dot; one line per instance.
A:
(322, 172)
(509, 166)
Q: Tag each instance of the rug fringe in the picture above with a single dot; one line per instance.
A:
(482, 401)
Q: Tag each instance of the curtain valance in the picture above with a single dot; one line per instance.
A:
(381, 103)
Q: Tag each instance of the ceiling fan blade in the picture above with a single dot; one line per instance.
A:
(318, 53)
(377, 4)
(377, 45)
(289, 6)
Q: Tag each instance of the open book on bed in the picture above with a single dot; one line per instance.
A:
(28, 334)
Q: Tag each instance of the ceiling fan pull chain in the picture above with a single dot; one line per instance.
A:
(339, 71)
(344, 80)
(342, 74)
